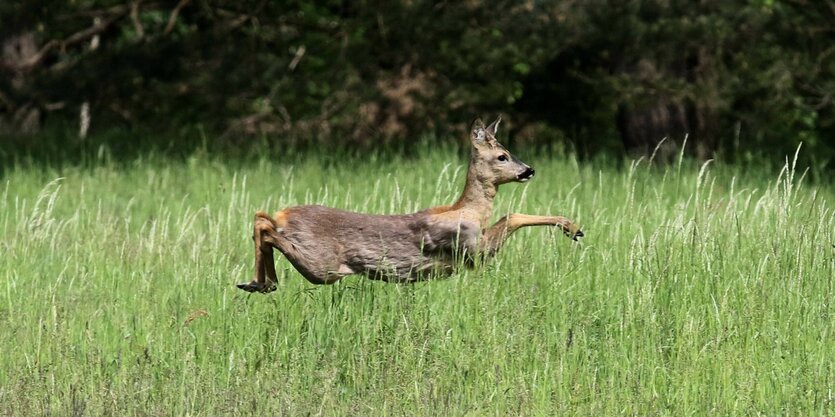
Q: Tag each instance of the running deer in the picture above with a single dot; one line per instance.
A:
(326, 244)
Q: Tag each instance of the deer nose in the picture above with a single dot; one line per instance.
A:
(527, 174)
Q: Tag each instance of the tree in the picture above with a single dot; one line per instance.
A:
(600, 75)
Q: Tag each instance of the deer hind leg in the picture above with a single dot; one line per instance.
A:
(264, 238)
(493, 238)
(315, 267)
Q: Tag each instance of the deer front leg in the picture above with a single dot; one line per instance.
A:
(265, 276)
(494, 237)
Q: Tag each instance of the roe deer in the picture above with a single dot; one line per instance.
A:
(326, 244)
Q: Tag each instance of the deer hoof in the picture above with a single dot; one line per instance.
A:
(254, 286)
(248, 287)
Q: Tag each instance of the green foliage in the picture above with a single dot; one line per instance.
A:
(745, 77)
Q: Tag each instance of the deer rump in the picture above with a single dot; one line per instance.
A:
(398, 248)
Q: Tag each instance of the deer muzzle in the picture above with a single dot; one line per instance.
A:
(526, 175)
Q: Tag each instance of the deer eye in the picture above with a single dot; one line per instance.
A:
(503, 158)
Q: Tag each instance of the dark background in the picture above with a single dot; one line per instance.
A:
(743, 79)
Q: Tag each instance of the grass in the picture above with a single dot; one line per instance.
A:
(699, 289)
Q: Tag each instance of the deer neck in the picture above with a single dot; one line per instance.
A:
(478, 195)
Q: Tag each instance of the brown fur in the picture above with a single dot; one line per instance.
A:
(326, 244)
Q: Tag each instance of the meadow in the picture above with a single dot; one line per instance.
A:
(699, 289)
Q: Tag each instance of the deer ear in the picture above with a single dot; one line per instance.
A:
(494, 127)
(477, 134)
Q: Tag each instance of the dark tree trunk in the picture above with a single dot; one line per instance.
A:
(16, 117)
(645, 119)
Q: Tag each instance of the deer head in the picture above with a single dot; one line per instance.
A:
(492, 162)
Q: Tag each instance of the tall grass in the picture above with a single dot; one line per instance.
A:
(699, 289)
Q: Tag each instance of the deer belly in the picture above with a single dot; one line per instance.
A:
(410, 258)
(389, 262)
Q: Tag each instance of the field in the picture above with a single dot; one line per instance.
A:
(699, 289)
